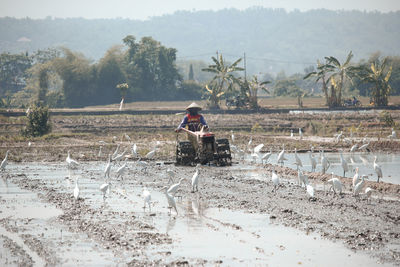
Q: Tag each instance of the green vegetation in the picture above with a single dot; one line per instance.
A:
(38, 122)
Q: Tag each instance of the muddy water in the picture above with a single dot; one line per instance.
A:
(218, 236)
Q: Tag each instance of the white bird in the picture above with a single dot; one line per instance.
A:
(195, 179)
(121, 170)
(142, 164)
(324, 162)
(368, 193)
(116, 151)
(250, 141)
(104, 188)
(146, 198)
(71, 163)
(171, 200)
(344, 164)
(298, 160)
(121, 104)
(134, 150)
(300, 134)
(339, 136)
(173, 188)
(29, 144)
(4, 162)
(171, 175)
(281, 156)
(266, 157)
(302, 178)
(364, 147)
(291, 133)
(313, 161)
(127, 137)
(255, 156)
(232, 137)
(336, 185)
(310, 191)
(356, 177)
(312, 148)
(151, 154)
(353, 148)
(359, 186)
(99, 154)
(393, 135)
(108, 167)
(378, 169)
(275, 179)
(76, 190)
(258, 148)
(118, 157)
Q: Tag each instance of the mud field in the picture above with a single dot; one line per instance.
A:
(236, 218)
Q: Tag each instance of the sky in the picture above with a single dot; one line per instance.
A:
(145, 9)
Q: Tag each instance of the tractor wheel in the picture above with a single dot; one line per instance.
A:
(224, 152)
(185, 154)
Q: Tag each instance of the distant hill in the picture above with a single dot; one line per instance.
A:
(272, 39)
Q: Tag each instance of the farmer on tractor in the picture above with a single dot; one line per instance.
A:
(193, 120)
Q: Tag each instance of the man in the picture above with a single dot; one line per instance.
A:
(193, 120)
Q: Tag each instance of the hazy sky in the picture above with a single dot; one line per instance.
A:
(143, 9)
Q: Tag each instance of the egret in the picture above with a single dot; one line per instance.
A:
(258, 148)
(171, 175)
(291, 133)
(195, 180)
(300, 134)
(116, 151)
(121, 104)
(353, 148)
(99, 154)
(118, 157)
(142, 163)
(356, 178)
(310, 191)
(298, 160)
(266, 157)
(173, 188)
(134, 150)
(275, 179)
(151, 154)
(324, 162)
(249, 143)
(71, 163)
(4, 162)
(364, 147)
(302, 178)
(312, 148)
(378, 169)
(339, 136)
(29, 144)
(359, 186)
(104, 188)
(171, 200)
(232, 137)
(368, 193)
(393, 135)
(336, 185)
(313, 161)
(255, 156)
(127, 137)
(281, 156)
(146, 198)
(76, 190)
(121, 170)
(344, 164)
(108, 167)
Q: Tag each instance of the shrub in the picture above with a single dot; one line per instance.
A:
(386, 118)
(38, 122)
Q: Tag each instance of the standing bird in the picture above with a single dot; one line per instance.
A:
(298, 160)
(368, 193)
(121, 104)
(104, 188)
(344, 164)
(134, 150)
(173, 188)
(275, 179)
(393, 135)
(359, 186)
(232, 137)
(116, 151)
(324, 162)
(353, 148)
(195, 180)
(266, 157)
(151, 154)
(313, 161)
(76, 190)
(171, 175)
(71, 163)
(4, 162)
(146, 199)
(356, 177)
(281, 156)
(339, 136)
(171, 200)
(302, 178)
(378, 169)
(121, 170)
(300, 134)
(108, 167)
(99, 154)
(118, 157)
(336, 185)
(249, 143)
(310, 191)
(291, 133)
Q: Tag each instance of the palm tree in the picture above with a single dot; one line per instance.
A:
(379, 78)
(223, 80)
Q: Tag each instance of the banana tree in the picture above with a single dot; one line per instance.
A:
(322, 75)
(253, 88)
(378, 75)
(214, 96)
(223, 80)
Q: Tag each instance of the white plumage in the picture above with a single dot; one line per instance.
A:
(121, 170)
(336, 185)
(173, 188)
(281, 156)
(195, 179)
(298, 160)
(171, 200)
(108, 167)
(4, 161)
(76, 190)
(146, 198)
(275, 179)
(71, 163)
(344, 164)
(378, 169)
